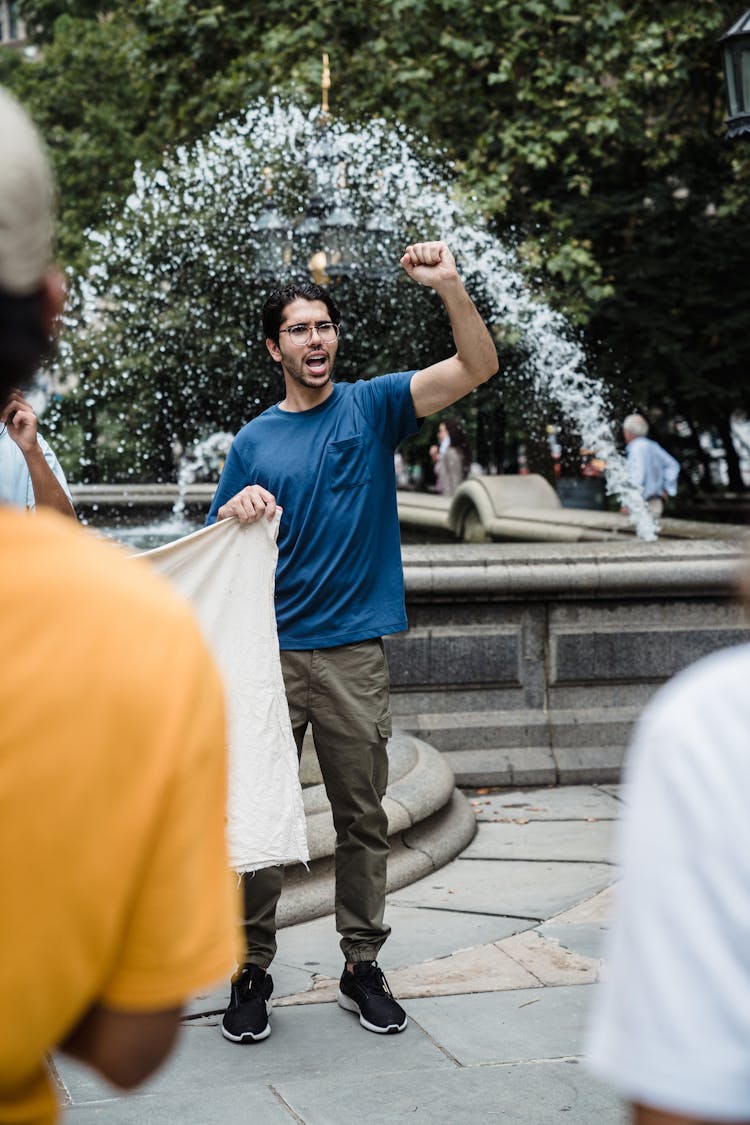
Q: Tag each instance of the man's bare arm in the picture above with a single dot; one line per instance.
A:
(125, 1047)
(48, 492)
(436, 387)
(21, 421)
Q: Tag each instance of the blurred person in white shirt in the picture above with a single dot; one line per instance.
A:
(671, 1029)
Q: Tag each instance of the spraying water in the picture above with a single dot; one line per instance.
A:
(174, 293)
(203, 462)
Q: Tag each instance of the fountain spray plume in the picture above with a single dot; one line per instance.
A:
(172, 300)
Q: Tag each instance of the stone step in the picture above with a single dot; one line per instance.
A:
(490, 730)
(420, 782)
(429, 823)
(413, 854)
(536, 765)
(524, 765)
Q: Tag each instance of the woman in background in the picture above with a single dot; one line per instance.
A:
(452, 463)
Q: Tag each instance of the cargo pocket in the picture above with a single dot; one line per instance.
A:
(348, 464)
(385, 725)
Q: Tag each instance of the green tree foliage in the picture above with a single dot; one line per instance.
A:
(590, 131)
(40, 15)
(91, 102)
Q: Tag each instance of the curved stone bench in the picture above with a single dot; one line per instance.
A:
(429, 823)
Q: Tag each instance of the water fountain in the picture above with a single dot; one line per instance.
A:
(180, 274)
(524, 663)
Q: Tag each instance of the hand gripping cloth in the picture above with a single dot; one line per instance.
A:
(227, 572)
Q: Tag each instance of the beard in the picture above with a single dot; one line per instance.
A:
(304, 377)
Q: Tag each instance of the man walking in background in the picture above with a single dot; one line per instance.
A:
(652, 470)
(325, 455)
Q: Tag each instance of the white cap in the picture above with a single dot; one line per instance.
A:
(26, 202)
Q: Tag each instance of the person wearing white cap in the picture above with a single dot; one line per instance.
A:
(114, 882)
(30, 473)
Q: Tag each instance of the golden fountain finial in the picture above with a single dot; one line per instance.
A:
(326, 85)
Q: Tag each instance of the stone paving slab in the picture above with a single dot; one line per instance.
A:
(527, 1094)
(619, 791)
(549, 962)
(504, 1027)
(599, 909)
(485, 969)
(572, 802)
(306, 1041)
(519, 889)
(258, 1105)
(585, 938)
(416, 936)
(568, 840)
(523, 960)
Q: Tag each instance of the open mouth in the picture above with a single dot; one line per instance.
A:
(317, 363)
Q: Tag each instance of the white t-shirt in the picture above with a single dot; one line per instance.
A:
(671, 1029)
(15, 482)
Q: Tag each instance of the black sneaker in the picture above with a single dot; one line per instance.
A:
(366, 991)
(246, 1018)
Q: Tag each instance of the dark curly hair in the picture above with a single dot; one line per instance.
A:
(277, 301)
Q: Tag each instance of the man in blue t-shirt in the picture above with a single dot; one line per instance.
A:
(324, 455)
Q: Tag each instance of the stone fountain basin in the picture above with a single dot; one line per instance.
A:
(500, 508)
(483, 510)
(528, 663)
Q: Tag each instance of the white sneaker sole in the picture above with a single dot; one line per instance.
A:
(249, 1036)
(352, 1006)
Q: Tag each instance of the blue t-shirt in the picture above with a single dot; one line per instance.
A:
(339, 577)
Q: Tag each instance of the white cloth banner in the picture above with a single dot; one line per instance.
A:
(227, 572)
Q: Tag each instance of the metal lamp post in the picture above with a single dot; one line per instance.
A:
(327, 243)
(735, 49)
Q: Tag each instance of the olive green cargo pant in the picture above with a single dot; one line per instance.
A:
(343, 693)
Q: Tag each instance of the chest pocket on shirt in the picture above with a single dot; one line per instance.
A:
(348, 465)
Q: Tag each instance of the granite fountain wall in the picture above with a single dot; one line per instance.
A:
(527, 664)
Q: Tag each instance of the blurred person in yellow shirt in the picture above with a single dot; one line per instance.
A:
(116, 894)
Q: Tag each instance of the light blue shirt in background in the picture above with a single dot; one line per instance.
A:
(652, 470)
(15, 481)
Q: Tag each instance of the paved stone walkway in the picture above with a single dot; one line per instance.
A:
(495, 957)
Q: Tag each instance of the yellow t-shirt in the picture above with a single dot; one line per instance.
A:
(114, 882)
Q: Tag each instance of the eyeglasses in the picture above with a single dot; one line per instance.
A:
(301, 334)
